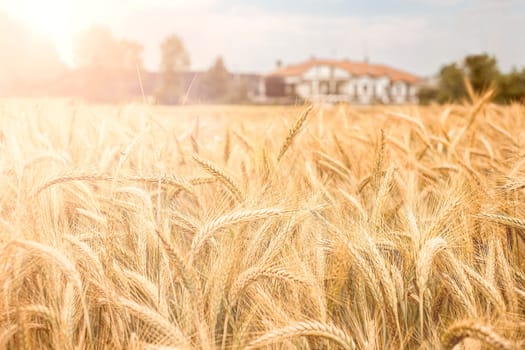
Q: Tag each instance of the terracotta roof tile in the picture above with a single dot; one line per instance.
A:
(356, 68)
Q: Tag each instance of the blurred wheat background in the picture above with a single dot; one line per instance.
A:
(324, 227)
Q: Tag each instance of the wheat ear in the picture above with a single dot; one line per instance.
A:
(69, 178)
(220, 175)
(506, 220)
(168, 180)
(245, 142)
(340, 148)
(67, 267)
(423, 268)
(153, 319)
(476, 330)
(292, 133)
(223, 221)
(514, 222)
(178, 262)
(251, 275)
(378, 165)
(301, 329)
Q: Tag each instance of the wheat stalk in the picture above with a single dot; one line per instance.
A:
(227, 148)
(244, 141)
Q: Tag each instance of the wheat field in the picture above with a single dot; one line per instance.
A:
(309, 227)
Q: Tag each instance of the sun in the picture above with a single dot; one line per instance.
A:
(55, 20)
(51, 17)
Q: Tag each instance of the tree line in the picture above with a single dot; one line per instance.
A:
(106, 68)
(100, 54)
(483, 73)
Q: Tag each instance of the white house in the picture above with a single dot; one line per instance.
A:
(335, 81)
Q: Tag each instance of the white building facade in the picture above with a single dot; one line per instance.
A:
(343, 81)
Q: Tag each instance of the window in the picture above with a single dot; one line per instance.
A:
(399, 89)
(365, 88)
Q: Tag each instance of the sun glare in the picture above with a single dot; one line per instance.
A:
(55, 20)
(51, 18)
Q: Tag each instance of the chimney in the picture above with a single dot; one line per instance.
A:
(278, 64)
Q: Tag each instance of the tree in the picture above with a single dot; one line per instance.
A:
(97, 49)
(241, 92)
(451, 84)
(482, 71)
(131, 52)
(174, 60)
(511, 87)
(107, 67)
(426, 94)
(217, 81)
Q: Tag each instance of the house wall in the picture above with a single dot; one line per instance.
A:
(340, 74)
(399, 91)
(381, 90)
(274, 87)
(303, 90)
(323, 80)
(365, 89)
(412, 93)
(349, 88)
(318, 73)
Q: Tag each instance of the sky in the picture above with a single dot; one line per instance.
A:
(251, 35)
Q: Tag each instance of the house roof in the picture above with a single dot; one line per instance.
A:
(355, 68)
